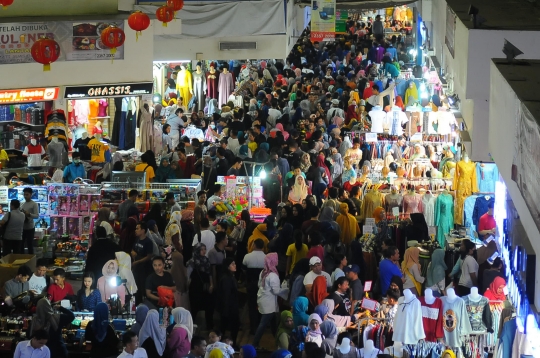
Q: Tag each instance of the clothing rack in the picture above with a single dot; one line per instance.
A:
(359, 325)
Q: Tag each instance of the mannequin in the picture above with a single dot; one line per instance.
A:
(98, 128)
(432, 318)
(474, 296)
(412, 202)
(396, 350)
(465, 184)
(56, 153)
(451, 295)
(395, 119)
(378, 119)
(428, 207)
(385, 171)
(479, 312)
(34, 151)
(444, 216)
(81, 146)
(199, 86)
(389, 158)
(393, 200)
(429, 296)
(146, 133)
(226, 86)
(102, 111)
(183, 84)
(212, 81)
(369, 350)
(408, 327)
(98, 149)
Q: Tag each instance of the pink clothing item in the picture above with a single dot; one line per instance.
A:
(279, 127)
(102, 111)
(270, 265)
(178, 344)
(107, 290)
(316, 251)
(412, 203)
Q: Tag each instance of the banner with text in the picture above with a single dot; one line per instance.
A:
(79, 41)
(526, 163)
(323, 20)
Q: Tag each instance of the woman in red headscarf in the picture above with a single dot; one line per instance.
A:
(320, 163)
(351, 114)
(495, 292)
(368, 91)
(399, 103)
(318, 291)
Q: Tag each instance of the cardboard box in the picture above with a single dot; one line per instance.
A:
(9, 265)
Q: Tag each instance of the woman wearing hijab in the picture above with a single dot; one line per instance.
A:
(411, 94)
(330, 333)
(164, 172)
(200, 273)
(140, 315)
(351, 116)
(281, 353)
(172, 237)
(341, 322)
(286, 325)
(319, 182)
(348, 224)
(269, 289)
(399, 103)
(299, 190)
(314, 333)
(318, 291)
(179, 342)
(110, 271)
(248, 351)
(321, 164)
(152, 336)
(412, 270)
(300, 307)
(305, 162)
(124, 271)
(179, 275)
(264, 231)
(327, 216)
(297, 216)
(53, 323)
(227, 304)
(279, 127)
(495, 292)
(101, 333)
(187, 232)
(436, 272)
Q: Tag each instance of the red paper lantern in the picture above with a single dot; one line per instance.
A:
(113, 37)
(139, 22)
(45, 51)
(165, 14)
(176, 5)
(6, 3)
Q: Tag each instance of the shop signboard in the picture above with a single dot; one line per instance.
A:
(79, 41)
(29, 95)
(341, 21)
(109, 90)
(323, 20)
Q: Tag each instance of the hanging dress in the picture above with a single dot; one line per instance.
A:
(465, 184)
(146, 131)
(199, 88)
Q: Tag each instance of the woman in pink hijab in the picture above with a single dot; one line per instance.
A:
(279, 127)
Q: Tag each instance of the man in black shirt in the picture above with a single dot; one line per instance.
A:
(341, 297)
(222, 164)
(159, 278)
(142, 253)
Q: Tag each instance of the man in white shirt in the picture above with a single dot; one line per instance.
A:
(34, 348)
(131, 344)
(377, 98)
(216, 197)
(316, 270)
(273, 115)
(254, 262)
(334, 111)
(206, 237)
(39, 281)
(232, 143)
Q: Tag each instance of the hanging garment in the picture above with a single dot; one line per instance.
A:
(481, 207)
(157, 132)
(183, 85)
(408, 327)
(199, 89)
(395, 119)
(455, 321)
(487, 175)
(428, 208)
(468, 210)
(115, 137)
(226, 86)
(131, 126)
(81, 145)
(34, 153)
(464, 184)
(446, 120)
(444, 218)
(98, 150)
(102, 110)
(393, 201)
(432, 319)
(479, 314)
(94, 108)
(372, 200)
(378, 118)
(212, 81)
(82, 111)
(146, 133)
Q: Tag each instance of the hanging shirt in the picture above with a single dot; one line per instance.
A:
(98, 150)
(81, 145)
(428, 208)
(408, 327)
(432, 319)
(479, 314)
(34, 153)
(378, 117)
(56, 151)
(102, 111)
(395, 119)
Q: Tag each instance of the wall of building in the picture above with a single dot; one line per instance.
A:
(503, 109)
(136, 67)
(171, 49)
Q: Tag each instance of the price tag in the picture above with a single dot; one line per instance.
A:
(371, 137)
(367, 229)
(370, 221)
(432, 231)
(370, 305)
(395, 211)
(367, 286)
(416, 137)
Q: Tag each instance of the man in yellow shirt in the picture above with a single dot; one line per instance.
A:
(145, 167)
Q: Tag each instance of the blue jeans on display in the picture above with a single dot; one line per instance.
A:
(265, 319)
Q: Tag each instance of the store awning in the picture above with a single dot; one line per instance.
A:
(365, 4)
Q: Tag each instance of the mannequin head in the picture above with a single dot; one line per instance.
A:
(33, 141)
(182, 67)
(400, 172)
(385, 171)
(347, 163)
(198, 67)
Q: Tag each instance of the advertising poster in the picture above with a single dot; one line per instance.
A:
(79, 41)
(341, 21)
(323, 20)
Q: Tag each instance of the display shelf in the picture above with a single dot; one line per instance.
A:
(22, 123)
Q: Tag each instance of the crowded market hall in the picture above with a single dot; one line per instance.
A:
(326, 200)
